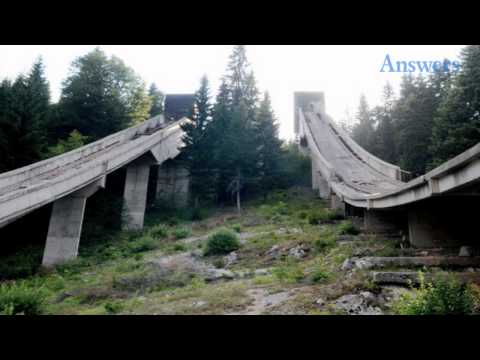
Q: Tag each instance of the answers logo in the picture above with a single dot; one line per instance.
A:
(420, 66)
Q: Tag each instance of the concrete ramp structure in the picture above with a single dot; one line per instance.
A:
(436, 209)
(69, 179)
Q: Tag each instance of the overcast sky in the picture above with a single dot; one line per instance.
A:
(341, 72)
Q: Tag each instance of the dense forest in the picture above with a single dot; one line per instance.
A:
(232, 145)
(433, 119)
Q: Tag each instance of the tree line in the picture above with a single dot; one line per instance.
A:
(231, 148)
(100, 96)
(433, 119)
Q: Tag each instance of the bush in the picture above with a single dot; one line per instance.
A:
(289, 273)
(113, 307)
(325, 242)
(21, 299)
(237, 228)
(145, 243)
(320, 275)
(181, 233)
(158, 231)
(223, 241)
(445, 297)
(324, 215)
(348, 228)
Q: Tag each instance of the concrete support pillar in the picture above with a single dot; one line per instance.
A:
(65, 226)
(384, 222)
(324, 190)
(173, 184)
(337, 204)
(135, 195)
(314, 175)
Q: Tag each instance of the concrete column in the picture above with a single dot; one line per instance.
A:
(135, 195)
(324, 190)
(173, 184)
(314, 175)
(384, 222)
(337, 204)
(65, 226)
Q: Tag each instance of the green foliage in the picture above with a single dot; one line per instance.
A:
(320, 275)
(142, 244)
(348, 228)
(113, 307)
(237, 228)
(326, 241)
(219, 263)
(324, 216)
(74, 141)
(223, 241)
(101, 96)
(19, 298)
(181, 233)
(290, 272)
(444, 297)
(159, 231)
(157, 98)
(21, 264)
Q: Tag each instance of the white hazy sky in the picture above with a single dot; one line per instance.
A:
(342, 72)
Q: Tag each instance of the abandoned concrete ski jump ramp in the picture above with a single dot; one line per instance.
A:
(434, 209)
(69, 179)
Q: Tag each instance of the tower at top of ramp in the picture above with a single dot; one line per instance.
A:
(303, 99)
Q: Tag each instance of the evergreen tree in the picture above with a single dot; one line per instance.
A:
(457, 126)
(198, 147)
(158, 99)
(384, 144)
(363, 131)
(268, 146)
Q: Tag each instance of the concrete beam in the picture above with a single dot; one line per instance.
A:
(65, 226)
(314, 175)
(135, 195)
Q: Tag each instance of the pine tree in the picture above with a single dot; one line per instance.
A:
(457, 126)
(363, 131)
(198, 147)
(158, 99)
(268, 146)
(384, 144)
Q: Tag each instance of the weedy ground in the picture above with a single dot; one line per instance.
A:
(292, 246)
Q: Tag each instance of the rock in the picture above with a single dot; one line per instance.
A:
(262, 272)
(358, 304)
(466, 251)
(218, 274)
(297, 252)
(200, 303)
(274, 251)
(320, 302)
(404, 278)
(197, 253)
(348, 264)
(230, 259)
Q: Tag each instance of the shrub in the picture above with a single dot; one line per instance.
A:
(348, 228)
(237, 228)
(113, 307)
(158, 231)
(145, 243)
(198, 214)
(320, 275)
(289, 273)
(181, 233)
(223, 241)
(219, 263)
(325, 242)
(21, 299)
(446, 296)
(324, 215)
